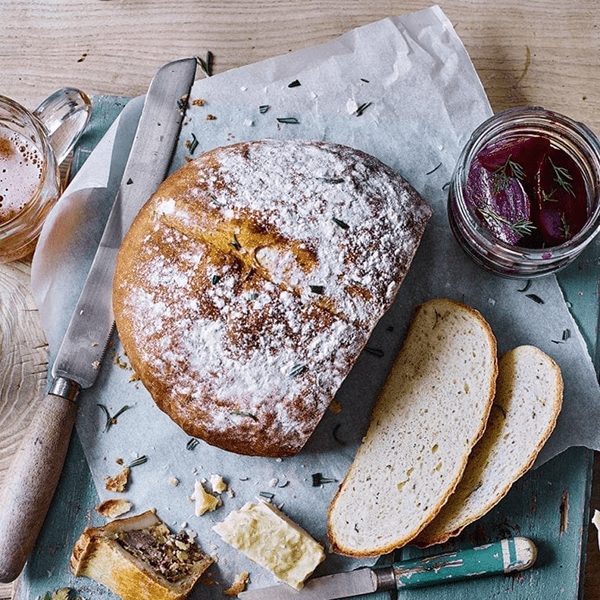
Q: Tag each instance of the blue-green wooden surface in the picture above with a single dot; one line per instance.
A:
(550, 504)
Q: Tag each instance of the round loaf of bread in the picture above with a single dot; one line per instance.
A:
(250, 281)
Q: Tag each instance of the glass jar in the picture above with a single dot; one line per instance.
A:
(52, 130)
(573, 138)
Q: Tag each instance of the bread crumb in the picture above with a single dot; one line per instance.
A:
(96, 365)
(173, 481)
(239, 584)
(211, 117)
(198, 102)
(205, 502)
(218, 484)
(119, 461)
(273, 482)
(118, 483)
(117, 360)
(113, 508)
(335, 407)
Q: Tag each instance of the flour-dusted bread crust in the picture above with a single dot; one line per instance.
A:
(101, 554)
(250, 282)
(432, 410)
(527, 404)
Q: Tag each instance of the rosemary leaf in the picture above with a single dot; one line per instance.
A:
(192, 443)
(193, 144)
(139, 461)
(235, 242)
(446, 186)
(361, 109)
(264, 108)
(206, 64)
(525, 287)
(298, 369)
(241, 413)
(433, 170)
(317, 289)
(294, 84)
(266, 495)
(288, 120)
(215, 279)
(364, 80)
(110, 421)
(566, 334)
(340, 223)
(535, 298)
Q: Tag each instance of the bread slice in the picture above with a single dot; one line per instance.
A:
(432, 410)
(527, 404)
(138, 558)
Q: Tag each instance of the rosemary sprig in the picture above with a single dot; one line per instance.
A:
(361, 109)
(318, 479)
(549, 197)
(110, 421)
(502, 175)
(206, 64)
(521, 226)
(138, 461)
(288, 120)
(263, 108)
(192, 443)
(563, 178)
(340, 223)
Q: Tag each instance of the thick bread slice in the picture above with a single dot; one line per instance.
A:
(527, 404)
(431, 412)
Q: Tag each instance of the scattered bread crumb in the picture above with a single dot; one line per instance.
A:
(113, 508)
(211, 117)
(173, 481)
(119, 461)
(205, 502)
(230, 493)
(273, 482)
(199, 102)
(117, 360)
(133, 377)
(96, 365)
(335, 407)
(118, 483)
(238, 585)
(218, 484)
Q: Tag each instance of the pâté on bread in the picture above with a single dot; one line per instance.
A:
(251, 280)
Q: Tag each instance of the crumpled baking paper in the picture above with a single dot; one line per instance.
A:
(425, 100)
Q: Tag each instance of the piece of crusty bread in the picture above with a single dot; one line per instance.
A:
(526, 407)
(431, 412)
(250, 282)
(99, 555)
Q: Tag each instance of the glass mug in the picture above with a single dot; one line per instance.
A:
(32, 147)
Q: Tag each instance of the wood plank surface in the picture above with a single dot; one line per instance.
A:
(538, 52)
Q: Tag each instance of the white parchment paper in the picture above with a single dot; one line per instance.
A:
(425, 101)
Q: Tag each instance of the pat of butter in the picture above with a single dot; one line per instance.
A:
(205, 502)
(266, 536)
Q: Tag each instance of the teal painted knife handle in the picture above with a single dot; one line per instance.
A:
(505, 556)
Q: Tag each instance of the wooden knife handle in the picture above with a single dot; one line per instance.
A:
(31, 481)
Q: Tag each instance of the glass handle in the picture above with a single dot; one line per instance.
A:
(65, 115)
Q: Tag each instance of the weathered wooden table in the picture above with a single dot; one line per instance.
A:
(539, 52)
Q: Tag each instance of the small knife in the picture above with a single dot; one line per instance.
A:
(505, 556)
(36, 469)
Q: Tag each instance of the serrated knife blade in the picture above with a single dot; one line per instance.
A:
(89, 330)
(330, 587)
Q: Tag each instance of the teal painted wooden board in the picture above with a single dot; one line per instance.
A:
(549, 504)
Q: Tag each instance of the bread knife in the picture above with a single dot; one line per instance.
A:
(505, 556)
(34, 474)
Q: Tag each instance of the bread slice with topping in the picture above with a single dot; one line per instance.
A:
(139, 558)
(527, 405)
(432, 410)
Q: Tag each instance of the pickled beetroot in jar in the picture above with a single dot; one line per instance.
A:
(527, 192)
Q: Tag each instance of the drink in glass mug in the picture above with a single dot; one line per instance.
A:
(32, 146)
